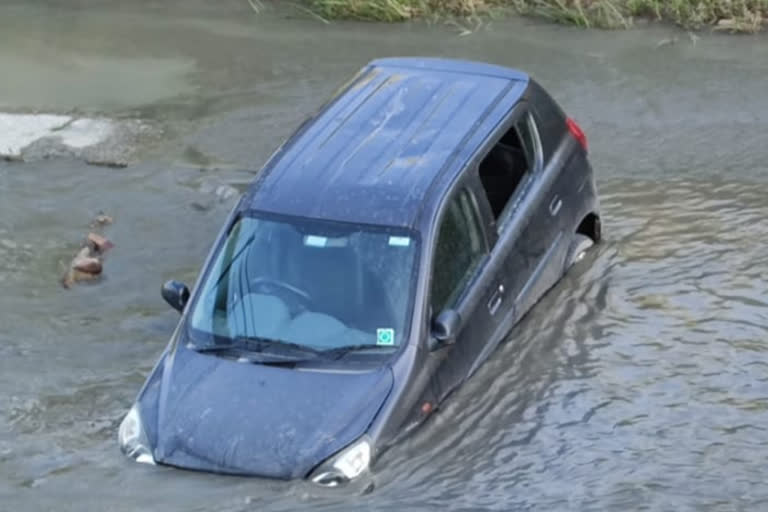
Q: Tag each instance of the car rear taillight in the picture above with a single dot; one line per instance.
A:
(577, 132)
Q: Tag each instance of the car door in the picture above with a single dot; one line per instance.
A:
(464, 279)
(517, 193)
(543, 239)
(536, 215)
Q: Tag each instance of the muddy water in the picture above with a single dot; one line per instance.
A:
(640, 381)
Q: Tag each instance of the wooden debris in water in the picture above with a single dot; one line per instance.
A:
(84, 262)
(98, 243)
(88, 264)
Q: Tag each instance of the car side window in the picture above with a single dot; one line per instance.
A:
(508, 165)
(460, 249)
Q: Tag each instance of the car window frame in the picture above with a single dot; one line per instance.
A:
(522, 109)
(535, 168)
(187, 332)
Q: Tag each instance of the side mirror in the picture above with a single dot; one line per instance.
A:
(444, 329)
(176, 294)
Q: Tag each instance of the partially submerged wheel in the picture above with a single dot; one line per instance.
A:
(579, 247)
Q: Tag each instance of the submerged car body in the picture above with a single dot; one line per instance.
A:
(375, 263)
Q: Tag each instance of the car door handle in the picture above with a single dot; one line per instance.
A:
(554, 206)
(496, 300)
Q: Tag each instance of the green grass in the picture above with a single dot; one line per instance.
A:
(731, 15)
(398, 10)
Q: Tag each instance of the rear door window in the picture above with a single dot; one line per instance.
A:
(508, 166)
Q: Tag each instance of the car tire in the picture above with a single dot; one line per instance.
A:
(578, 249)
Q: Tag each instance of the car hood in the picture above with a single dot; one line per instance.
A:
(215, 414)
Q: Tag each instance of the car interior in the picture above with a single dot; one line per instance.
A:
(503, 170)
(335, 300)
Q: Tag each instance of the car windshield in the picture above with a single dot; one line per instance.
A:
(317, 284)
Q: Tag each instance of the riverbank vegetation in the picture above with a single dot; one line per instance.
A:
(731, 15)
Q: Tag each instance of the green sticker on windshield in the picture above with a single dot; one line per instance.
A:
(385, 336)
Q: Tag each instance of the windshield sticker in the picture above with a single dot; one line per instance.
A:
(315, 241)
(336, 242)
(399, 241)
(385, 336)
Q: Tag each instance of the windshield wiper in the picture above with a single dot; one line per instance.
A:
(255, 344)
(218, 347)
(245, 355)
(258, 346)
(274, 342)
(346, 349)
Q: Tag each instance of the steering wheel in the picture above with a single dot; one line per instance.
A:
(269, 284)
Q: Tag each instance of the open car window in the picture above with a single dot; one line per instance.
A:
(318, 284)
(508, 166)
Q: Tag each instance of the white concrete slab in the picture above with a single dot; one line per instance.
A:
(86, 132)
(17, 131)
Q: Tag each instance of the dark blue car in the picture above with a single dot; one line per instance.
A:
(374, 264)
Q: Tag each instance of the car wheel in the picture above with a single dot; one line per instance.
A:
(579, 247)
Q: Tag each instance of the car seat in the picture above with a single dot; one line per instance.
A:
(333, 278)
(501, 172)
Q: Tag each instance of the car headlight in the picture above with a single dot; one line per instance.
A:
(132, 439)
(346, 465)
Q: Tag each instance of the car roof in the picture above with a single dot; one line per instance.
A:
(372, 154)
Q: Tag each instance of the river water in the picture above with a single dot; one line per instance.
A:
(639, 382)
